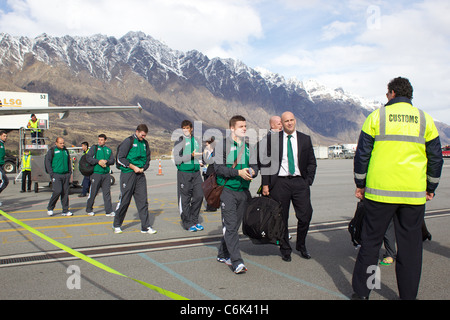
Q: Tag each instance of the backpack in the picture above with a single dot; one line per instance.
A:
(84, 166)
(131, 138)
(355, 225)
(45, 160)
(263, 222)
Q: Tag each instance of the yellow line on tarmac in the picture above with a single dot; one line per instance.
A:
(55, 218)
(65, 226)
(79, 255)
(56, 210)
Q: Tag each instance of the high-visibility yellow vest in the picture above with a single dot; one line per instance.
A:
(397, 170)
(26, 163)
(34, 126)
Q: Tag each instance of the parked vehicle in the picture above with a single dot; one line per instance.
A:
(335, 152)
(11, 164)
(446, 151)
(342, 151)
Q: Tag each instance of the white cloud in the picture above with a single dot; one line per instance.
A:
(300, 4)
(413, 42)
(336, 29)
(355, 44)
(203, 25)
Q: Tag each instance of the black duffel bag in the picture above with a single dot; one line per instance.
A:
(263, 222)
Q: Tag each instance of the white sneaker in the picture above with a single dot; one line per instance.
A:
(91, 214)
(227, 261)
(149, 231)
(112, 214)
(67, 214)
(240, 268)
(50, 212)
(117, 230)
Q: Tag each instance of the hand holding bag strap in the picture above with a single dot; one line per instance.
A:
(238, 158)
(211, 190)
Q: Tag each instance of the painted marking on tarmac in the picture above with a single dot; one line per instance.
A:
(93, 262)
(65, 226)
(164, 245)
(285, 275)
(180, 277)
(158, 245)
(307, 283)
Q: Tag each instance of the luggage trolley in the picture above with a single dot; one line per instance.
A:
(36, 144)
(38, 173)
(38, 148)
(77, 177)
(75, 154)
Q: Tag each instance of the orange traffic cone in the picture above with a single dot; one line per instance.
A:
(160, 169)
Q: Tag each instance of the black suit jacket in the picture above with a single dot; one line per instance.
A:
(306, 159)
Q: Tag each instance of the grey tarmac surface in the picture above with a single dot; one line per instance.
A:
(185, 263)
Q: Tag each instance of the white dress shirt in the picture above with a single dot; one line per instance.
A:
(284, 169)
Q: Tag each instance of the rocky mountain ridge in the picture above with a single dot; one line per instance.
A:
(172, 85)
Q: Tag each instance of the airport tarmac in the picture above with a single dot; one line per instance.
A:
(177, 261)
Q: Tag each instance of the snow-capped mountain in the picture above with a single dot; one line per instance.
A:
(101, 55)
(172, 85)
(316, 90)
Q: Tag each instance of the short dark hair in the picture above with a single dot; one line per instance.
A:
(85, 143)
(186, 123)
(142, 127)
(3, 132)
(402, 87)
(102, 135)
(235, 119)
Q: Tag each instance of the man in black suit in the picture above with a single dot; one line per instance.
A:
(287, 177)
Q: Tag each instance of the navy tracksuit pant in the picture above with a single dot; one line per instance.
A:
(133, 185)
(408, 221)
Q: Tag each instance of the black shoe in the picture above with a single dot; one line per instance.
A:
(304, 253)
(286, 257)
(355, 296)
(81, 195)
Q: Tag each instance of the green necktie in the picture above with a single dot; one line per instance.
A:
(290, 156)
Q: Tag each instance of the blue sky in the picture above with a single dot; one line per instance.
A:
(358, 45)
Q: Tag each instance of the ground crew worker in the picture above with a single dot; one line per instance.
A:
(134, 158)
(86, 183)
(235, 165)
(186, 151)
(36, 133)
(58, 166)
(397, 168)
(208, 165)
(4, 181)
(102, 157)
(26, 171)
